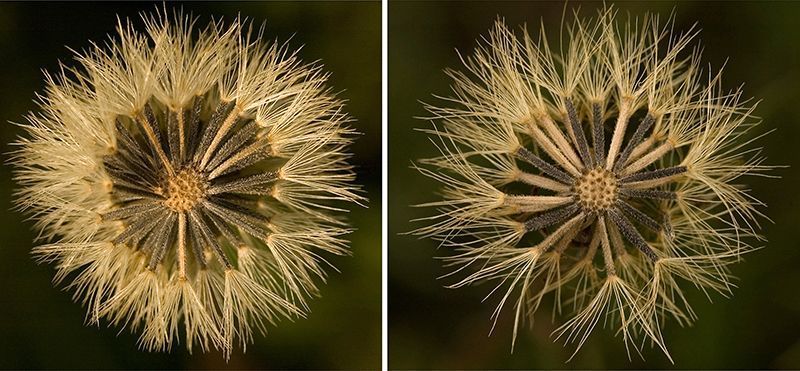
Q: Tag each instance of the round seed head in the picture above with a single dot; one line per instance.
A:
(154, 164)
(634, 157)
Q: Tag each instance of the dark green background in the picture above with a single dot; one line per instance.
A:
(430, 327)
(433, 327)
(40, 326)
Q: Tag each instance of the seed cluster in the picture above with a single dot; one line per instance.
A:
(596, 190)
(632, 154)
(596, 180)
(190, 181)
(185, 190)
(197, 178)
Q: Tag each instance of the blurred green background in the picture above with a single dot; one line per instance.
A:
(40, 326)
(433, 327)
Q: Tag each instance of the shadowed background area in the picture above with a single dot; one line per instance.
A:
(434, 327)
(40, 326)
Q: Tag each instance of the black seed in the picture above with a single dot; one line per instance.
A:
(647, 193)
(631, 234)
(131, 209)
(174, 136)
(140, 227)
(234, 143)
(599, 134)
(638, 135)
(525, 155)
(580, 137)
(550, 218)
(222, 111)
(247, 185)
(161, 239)
(202, 229)
(639, 216)
(193, 127)
(654, 174)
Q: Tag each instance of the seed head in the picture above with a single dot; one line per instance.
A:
(605, 176)
(184, 176)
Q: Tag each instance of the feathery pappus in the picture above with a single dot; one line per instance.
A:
(188, 179)
(604, 173)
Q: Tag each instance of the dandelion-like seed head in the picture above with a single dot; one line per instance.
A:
(185, 178)
(604, 173)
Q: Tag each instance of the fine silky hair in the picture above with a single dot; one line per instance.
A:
(606, 174)
(188, 180)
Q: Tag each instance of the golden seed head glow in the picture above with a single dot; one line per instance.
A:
(604, 174)
(184, 179)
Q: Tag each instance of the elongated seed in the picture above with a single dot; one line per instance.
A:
(161, 240)
(175, 136)
(149, 126)
(222, 131)
(525, 155)
(631, 234)
(194, 238)
(205, 232)
(648, 193)
(140, 227)
(234, 143)
(550, 218)
(222, 111)
(243, 185)
(580, 137)
(654, 174)
(242, 221)
(599, 133)
(608, 258)
(251, 154)
(639, 216)
(130, 210)
(638, 135)
(193, 128)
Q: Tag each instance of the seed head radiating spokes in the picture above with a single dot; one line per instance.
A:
(604, 176)
(186, 179)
